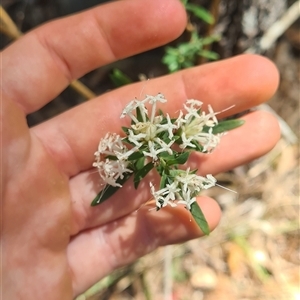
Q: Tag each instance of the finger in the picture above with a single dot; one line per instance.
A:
(124, 240)
(74, 136)
(255, 138)
(43, 62)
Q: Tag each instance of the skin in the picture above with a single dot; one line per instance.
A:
(54, 245)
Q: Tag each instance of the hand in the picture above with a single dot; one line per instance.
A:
(54, 244)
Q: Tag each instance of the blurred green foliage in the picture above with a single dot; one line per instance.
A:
(186, 54)
(119, 78)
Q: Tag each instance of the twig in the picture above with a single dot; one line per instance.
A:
(82, 89)
(9, 28)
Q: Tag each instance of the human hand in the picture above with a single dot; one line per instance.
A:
(54, 244)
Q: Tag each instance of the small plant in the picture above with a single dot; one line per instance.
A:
(186, 54)
(154, 140)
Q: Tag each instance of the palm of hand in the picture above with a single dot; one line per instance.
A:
(55, 244)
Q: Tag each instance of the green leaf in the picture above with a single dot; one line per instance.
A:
(139, 114)
(163, 180)
(165, 155)
(200, 12)
(111, 157)
(139, 175)
(227, 125)
(140, 163)
(210, 39)
(177, 159)
(109, 190)
(125, 129)
(209, 54)
(199, 147)
(135, 155)
(161, 113)
(199, 218)
(174, 172)
(119, 78)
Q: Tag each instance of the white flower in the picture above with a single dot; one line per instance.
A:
(210, 181)
(131, 107)
(192, 107)
(180, 120)
(111, 170)
(184, 189)
(165, 196)
(146, 132)
(193, 103)
(136, 138)
(153, 100)
(194, 182)
(147, 128)
(169, 126)
(154, 150)
(191, 128)
(186, 142)
(187, 200)
(125, 155)
(164, 146)
(212, 116)
(109, 144)
(209, 141)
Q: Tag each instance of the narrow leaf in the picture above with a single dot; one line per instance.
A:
(199, 147)
(140, 163)
(174, 172)
(200, 12)
(163, 180)
(227, 125)
(209, 54)
(109, 190)
(139, 114)
(199, 218)
(210, 39)
(125, 129)
(178, 159)
(142, 173)
(135, 156)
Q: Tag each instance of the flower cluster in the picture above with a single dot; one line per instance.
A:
(183, 186)
(154, 140)
(115, 164)
(193, 124)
